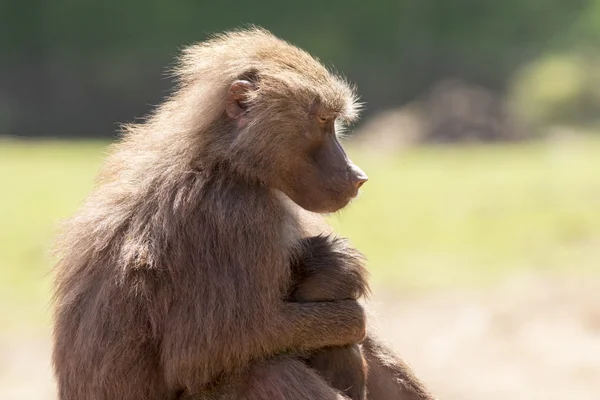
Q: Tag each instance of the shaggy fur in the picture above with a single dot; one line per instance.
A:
(173, 275)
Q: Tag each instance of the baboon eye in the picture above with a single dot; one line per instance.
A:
(323, 119)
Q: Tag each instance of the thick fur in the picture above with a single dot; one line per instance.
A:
(328, 269)
(174, 270)
(172, 276)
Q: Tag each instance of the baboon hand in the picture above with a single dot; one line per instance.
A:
(358, 328)
(328, 269)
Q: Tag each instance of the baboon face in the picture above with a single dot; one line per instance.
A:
(310, 165)
(331, 179)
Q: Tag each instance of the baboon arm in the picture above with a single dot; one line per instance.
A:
(296, 327)
(313, 325)
(389, 378)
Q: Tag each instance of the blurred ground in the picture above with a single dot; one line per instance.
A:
(529, 338)
(485, 262)
(526, 339)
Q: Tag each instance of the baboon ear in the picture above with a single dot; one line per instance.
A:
(239, 95)
(237, 98)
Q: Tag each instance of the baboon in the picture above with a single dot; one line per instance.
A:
(173, 277)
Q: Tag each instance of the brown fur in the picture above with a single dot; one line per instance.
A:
(329, 269)
(390, 377)
(173, 274)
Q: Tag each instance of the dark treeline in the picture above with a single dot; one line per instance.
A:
(77, 68)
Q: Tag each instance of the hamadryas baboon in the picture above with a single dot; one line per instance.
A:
(174, 275)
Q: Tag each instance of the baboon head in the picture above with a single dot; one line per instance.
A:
(309, 164)
(281, 115)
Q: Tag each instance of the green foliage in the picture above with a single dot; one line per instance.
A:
(82, 66)
(432, 217)
(557, 89)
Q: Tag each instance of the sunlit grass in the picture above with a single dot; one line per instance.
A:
(454, 215)
(41, 183)
(427, 218)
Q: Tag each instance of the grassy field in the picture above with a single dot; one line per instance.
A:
(451, 216)
(428, 218)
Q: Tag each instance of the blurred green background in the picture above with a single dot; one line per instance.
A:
(75, 68)
(481, 138)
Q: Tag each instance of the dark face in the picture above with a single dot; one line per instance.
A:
(322, 178)
(312, 168)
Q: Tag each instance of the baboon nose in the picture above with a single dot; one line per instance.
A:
(361, 181)
(358, 178)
